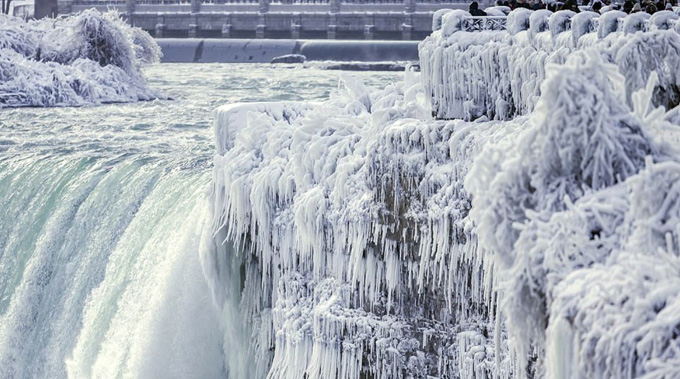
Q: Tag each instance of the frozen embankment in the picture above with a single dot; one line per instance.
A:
(87, 58)
(359, 237)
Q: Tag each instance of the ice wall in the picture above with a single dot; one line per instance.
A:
(87, 58)
(361, 238)
(498, 73)
(348, 220)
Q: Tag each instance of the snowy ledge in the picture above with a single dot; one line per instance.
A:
(499, 73)
(360, 238)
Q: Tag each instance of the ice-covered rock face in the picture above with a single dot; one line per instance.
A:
(81, 59)
(349, 212)
(372, 240)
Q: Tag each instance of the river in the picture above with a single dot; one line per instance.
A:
(102, 210)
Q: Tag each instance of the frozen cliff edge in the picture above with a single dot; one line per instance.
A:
(359, 238)
(87, 58)
(344, 229)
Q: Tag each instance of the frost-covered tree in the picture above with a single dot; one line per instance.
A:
(85, 58)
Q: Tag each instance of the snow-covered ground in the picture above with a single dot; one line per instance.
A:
(360, 237)
(87, 58)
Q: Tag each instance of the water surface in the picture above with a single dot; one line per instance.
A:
(102, 210)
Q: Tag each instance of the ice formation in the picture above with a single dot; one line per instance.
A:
(87, 58)
(499, 73)
(324, 203)
(362, 238)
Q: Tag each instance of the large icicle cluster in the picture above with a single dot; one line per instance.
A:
(87, 58)
(360, 238)
(498, 74)
(348, 218)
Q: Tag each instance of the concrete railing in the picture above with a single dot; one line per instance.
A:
(295, 19)
(264, 5)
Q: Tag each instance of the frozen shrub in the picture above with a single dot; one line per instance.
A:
(45, 62)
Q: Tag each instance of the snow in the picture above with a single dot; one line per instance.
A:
(663, 20)
(499, 73)
(326, 228)
(367, 238)
(87, 58)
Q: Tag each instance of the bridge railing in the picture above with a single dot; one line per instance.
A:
(408, 6)
(476, 24)
(300, 2)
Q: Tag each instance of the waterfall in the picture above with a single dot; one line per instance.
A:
(99, 275)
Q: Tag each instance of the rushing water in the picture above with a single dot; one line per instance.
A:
(102, 210)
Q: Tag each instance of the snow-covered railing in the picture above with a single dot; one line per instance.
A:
(174, 2)
(98, 2)
(163, 2)
(470, 72)
(443, 2)
(372, 1)
(482, 23)
(478, 24)
(300, 2)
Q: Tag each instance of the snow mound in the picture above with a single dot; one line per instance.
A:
(87, 58)
(289, 58)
